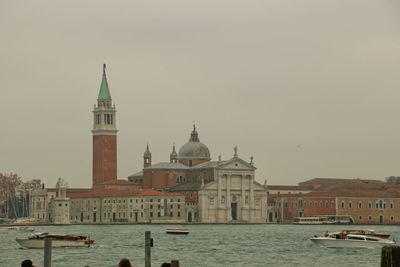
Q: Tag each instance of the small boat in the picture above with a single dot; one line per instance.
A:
(177, 231)
(37, 240)
(352, 241)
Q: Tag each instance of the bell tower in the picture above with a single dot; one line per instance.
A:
(104, 136)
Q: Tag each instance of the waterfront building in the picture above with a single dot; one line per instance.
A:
(364, 206)
(365, 201)
(39, 202)
(59, 207)
(127, 206)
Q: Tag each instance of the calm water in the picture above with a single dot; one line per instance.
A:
(206, 245)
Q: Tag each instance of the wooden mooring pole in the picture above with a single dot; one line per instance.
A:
(390, 256)
(47, 252)
(147, 245)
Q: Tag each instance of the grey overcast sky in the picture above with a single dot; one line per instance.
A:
(309, 88)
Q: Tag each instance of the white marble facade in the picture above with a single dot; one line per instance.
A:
(233, 196)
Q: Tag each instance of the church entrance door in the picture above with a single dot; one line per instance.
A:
(234, 211)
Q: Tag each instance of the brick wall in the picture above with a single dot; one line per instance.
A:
(104, 158)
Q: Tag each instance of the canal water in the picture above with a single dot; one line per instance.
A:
(206, 245)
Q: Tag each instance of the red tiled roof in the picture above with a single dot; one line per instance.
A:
(354, 193)
(288, 187)
(119, 193)
(340, 180)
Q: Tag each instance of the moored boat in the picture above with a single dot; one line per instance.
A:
(177, 231)
(37, 240)
(324, 219)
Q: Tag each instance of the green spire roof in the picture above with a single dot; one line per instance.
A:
(104, 93)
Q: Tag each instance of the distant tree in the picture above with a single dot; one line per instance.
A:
(11, 185)
(393, 179)
(32, 184)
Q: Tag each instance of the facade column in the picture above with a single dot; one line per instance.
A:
(219, 191)
(228, 198)
(251, 197)
(243, 196)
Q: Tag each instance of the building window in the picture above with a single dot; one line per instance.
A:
(391, 218)
(369, 217)
(369, 205)
(159, 214)
(320, 204)
(179, 214)
(359, 205)
(171, 214)
(360, 218)
(381, 204)
(246, 199)
(326, 203)
(151, 214)
(343, 204)
(391, 205)
(332, 203)
(349, 204)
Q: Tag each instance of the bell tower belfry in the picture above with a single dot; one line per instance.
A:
(104, 136)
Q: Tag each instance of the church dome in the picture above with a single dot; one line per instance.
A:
(194, 149)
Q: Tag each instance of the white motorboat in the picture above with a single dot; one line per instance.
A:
(352, 241)
(177, 231)
(37, 240)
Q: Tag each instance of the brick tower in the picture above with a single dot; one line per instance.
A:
(104, 136)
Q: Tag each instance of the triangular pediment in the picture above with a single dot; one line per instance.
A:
(236, 163)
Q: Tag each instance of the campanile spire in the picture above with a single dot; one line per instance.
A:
(104, 136)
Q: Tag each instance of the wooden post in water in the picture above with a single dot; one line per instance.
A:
(174, 263)
(47, 251)
(390, 256)
(147, 251)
